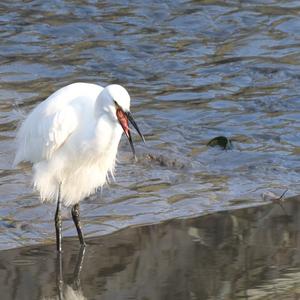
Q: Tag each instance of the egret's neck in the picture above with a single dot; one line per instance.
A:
(108, 134)
(108, 131)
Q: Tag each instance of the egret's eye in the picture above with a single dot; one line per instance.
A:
(116, 104)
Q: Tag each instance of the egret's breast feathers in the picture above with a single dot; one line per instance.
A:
(80, 175)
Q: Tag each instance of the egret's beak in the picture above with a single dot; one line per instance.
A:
(123, 118)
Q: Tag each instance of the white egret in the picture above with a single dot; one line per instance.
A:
(72, 139)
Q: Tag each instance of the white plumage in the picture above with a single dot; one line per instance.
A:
(72, 139)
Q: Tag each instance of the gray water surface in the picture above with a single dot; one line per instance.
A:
(194, 69)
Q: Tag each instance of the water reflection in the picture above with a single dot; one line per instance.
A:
(68, 294)
(249, 253)
(73, 291)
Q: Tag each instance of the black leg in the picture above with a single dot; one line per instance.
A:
(76, 219)
(78, 268)
(59, 276)
(58, 223)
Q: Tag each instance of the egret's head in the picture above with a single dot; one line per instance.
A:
(119, 95)
(118, 105)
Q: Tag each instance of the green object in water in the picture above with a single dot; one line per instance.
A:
(220, 141)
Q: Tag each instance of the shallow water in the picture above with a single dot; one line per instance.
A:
(250, 253)
(194, 69)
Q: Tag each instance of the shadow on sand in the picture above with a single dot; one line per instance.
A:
(251, 253)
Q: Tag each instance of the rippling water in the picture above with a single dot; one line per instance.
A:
(194, 69)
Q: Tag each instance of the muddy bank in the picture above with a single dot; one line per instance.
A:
(250, 253)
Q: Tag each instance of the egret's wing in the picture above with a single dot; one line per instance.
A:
(44, 131)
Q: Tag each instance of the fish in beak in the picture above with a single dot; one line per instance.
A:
(123, 118)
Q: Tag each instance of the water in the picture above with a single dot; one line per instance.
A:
(250, 253)
(194, 69)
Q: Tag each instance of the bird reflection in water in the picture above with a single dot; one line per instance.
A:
(73, 291)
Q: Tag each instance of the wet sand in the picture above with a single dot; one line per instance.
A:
(251, 253)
